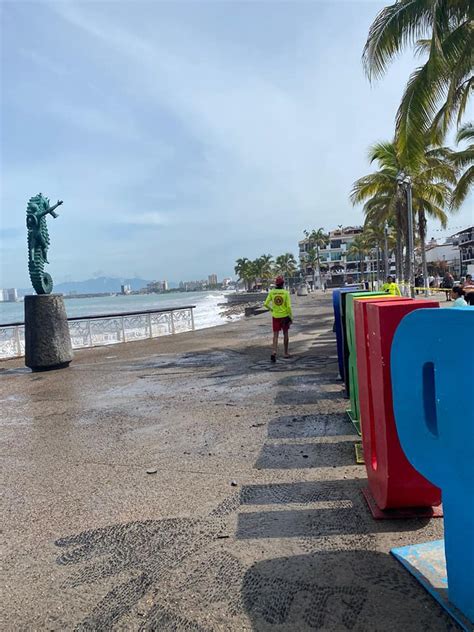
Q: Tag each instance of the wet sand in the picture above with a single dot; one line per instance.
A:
(185, 483)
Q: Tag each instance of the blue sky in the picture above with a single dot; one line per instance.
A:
(182, 135)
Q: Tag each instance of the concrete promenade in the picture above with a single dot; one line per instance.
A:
(252, 518)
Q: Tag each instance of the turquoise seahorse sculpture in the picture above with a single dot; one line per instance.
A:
(38, 241)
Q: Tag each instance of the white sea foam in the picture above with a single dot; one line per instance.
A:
(206, 314)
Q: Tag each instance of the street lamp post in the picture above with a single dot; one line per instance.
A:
(405, 182)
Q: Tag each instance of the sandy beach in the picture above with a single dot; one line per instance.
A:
(186, 484)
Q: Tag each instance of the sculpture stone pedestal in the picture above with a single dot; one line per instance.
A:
(47, 339)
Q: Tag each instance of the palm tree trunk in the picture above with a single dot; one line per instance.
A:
(319, 266)
(378, 265)
(422, 231)
(406, 263)
(399, 247)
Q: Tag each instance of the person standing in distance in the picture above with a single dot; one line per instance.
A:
(390, 287)
(279, 303)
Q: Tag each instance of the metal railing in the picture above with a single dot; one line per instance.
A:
(94, 331)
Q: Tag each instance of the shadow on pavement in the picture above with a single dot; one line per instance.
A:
(307, 426)
(337, 590)
(302, 397)
(315, 523)
(295, 456)
(302, 492)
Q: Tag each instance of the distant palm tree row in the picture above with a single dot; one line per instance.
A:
(261, 271)
(436, 96)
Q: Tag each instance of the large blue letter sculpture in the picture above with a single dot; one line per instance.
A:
(432, 381)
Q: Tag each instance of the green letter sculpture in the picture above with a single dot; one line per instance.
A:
(38, 241)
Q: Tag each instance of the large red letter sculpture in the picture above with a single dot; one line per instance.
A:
(393, 482)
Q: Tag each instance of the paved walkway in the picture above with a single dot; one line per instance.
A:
(254, 518)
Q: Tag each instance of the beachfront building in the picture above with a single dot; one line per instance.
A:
(337, 263)
(466, 248)
(455, 255)
(212, 278)
(442, 258)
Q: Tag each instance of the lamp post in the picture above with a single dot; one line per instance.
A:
(404, 181)
(385, 249)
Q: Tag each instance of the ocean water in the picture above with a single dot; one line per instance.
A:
(206, 314)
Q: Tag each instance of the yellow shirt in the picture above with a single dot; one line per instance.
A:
(391, 288)
(279, 303)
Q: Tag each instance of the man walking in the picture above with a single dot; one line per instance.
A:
(279, 303)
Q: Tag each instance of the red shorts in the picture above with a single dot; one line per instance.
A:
(281, 324)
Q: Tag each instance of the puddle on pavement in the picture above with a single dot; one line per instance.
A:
(22, 370)
(194, 360)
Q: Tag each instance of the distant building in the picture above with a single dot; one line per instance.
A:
(9, 295)
(125, 289)
(466, 247)
(157, 286)
(455, 255)
(226, 281)
(154, 287)
(193, 286)
(212, 278)
(337, 265)
(442, 258)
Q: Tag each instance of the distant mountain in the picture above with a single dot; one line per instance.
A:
(98, 285)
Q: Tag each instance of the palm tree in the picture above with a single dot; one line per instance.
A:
(384, 201)
(264, 268)
(381, 235)
(374, 237)
(438, 91)
(317, 239)
(312, 259)
(286, 265)
(360, 247)
(247, 271)
(463, 159)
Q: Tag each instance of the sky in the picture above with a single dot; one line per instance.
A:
(183, 135)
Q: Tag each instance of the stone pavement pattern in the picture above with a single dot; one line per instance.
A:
(94, 542)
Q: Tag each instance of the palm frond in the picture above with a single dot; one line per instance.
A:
(425, 88)
(464, 185)
(466, 132)
(395, 27)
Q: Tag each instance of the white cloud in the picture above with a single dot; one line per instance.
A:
(229, 129)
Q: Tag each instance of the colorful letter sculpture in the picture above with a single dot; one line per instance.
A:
(336, 303)
(352, 302)
(346, 301)
(432, 375)
(393, 482)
